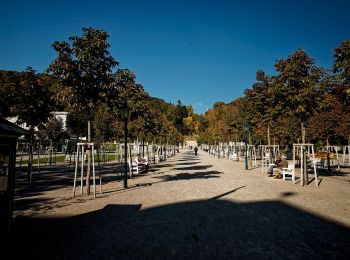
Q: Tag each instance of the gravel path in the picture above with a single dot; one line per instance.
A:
(189, 207)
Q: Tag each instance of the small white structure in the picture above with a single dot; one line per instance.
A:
(251, 153)
(301, 150)
(83, 148)
(289, 172)
(62, 117)
(268, 153)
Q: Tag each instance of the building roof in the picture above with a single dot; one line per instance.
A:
(10, 129)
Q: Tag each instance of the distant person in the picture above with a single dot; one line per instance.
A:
(195, 151)
(282, 164)
(274, 165)
(143, 161)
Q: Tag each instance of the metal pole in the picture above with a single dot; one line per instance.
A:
(246, 151)
(246, 157)
(126, 153)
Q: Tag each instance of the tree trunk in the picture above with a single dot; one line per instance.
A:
(268, 135)
(30, 163)
(51, 151)
(303, 133)
(305, 175)
(328, 158)
(88, 174)
(39, 156)
(143, 146)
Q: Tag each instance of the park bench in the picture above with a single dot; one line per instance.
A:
(289, 172)
(136, 166)
(318, 162)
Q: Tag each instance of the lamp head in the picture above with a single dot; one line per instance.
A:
(124, 112)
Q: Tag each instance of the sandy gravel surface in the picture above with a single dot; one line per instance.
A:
(188, 207)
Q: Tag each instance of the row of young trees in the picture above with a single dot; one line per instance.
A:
(83, 81)
(301, 103)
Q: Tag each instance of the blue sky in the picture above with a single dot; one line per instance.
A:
(198, 52)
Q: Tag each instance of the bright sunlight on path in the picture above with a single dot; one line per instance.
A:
(188, 207)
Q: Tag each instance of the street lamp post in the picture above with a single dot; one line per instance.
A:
(246, 126)
(218, 148)
(125, 115)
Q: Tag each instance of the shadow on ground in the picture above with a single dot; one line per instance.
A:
(187, 163)
(194, 167)
(208, 229)
(190, 176)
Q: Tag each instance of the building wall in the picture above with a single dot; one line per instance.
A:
(60, 115)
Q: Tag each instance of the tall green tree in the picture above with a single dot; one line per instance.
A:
(258, 105)
(298, 87)
(177, 117)
(32, 106)
(9, 82)
(83, 68)
(341, 68)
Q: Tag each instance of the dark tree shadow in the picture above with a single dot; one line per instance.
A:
(205, 229)
(50, 178)
(188, 159)
(187, 163)
(189, 176)
(195, 167)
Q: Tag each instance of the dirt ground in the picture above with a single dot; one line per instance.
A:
(188, 207)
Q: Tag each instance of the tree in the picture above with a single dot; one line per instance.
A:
(189, 121)
(341, 64)
(9, 82)
(54, 129)
(125, 90)
(298, 87)
(32, 106)
(76, 123)
(258, 105)
(341, 67)
(102, 124)
(84, 71)
(178, 114)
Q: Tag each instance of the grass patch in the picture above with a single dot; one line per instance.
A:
(61, 158)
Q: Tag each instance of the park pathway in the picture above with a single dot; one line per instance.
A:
(188, 207)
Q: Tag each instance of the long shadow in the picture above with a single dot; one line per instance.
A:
(189, 176)
(49, 179)
(159, 166)
(195, 167)
(205, 229)
(187, 163)
(55, 177)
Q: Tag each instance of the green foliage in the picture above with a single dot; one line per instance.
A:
(32, 102)
(54, 129)
(103, 124)
(9, 82)
(76, 123)
(125, 90)
(297, 86)
(341, 64)
(178, 114)
(300, 93)
(83, 69)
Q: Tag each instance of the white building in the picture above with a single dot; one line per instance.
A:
(60, 115)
